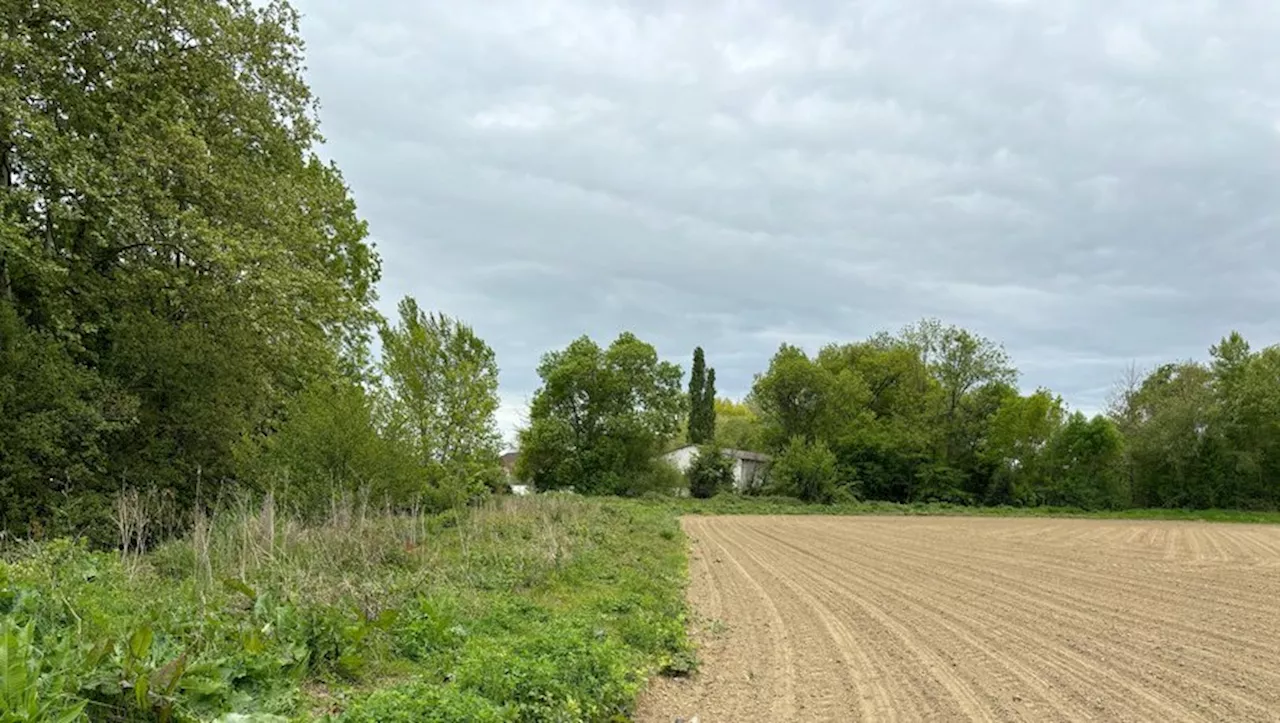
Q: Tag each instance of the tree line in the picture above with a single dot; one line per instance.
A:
(931, 413)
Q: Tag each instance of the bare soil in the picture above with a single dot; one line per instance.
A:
(942, 619)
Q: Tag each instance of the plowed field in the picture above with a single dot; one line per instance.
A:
(993, 619)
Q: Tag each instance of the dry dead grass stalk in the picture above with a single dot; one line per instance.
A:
(132, 520)
(201, 540)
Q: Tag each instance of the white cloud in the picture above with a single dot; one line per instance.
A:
(1128, 45)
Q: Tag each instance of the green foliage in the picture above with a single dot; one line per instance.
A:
(1205, 435)
(546, 608)
(1085, 461)
(931, 415)
(786, 505)
(707, 410)
(600, 417)
(54, 417)
(561, 671)
(444, 395)
(939, 482)
(658, 478)
(31, 686)
(426, 703)
(696, 427)
(800, 397)
(738, 426)
(710, 473)
(331, 445)
(806, 470)
(175, 259)
(1015, 446)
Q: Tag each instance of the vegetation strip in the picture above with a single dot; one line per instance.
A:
(542, 609)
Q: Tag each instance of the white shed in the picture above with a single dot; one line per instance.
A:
(748, 467)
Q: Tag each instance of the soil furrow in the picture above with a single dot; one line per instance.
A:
(811, 618)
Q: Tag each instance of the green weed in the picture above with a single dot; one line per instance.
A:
(553, 608)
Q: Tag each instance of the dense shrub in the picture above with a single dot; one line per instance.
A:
(329, 446)
(710, 472)
(656, 478)
(806, 470)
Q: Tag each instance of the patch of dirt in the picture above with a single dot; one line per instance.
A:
(988, 619)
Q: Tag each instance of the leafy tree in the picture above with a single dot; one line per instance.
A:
(1173, 442)
(970, 431)
(937, 481)
(799, 397)
(1254, 434)
(444, 389)
(710, 472)
(1247, 392)
(600, 416)
(1015, 446)
(55, 417)
(884, 443)
(960, 361)
(738, 426)
(807, 470)
(1204, 435)
(171, 245)
(1085, 465)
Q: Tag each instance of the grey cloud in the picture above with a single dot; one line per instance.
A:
(1091, 183)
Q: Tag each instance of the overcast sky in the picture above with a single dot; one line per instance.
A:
(1090, 182)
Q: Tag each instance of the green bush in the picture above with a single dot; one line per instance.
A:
(710, 472)
(806, 470)
(657, 478)
(329, 445)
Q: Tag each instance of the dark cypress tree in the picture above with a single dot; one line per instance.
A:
(697, 393)
(709, 407)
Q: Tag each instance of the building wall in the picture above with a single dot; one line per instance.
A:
(748, 473)
(681, 458)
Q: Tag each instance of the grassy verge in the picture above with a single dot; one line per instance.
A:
(728, 504)
(535, 609)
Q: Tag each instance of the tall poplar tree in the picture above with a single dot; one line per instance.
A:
(697, 391)
(708, 408)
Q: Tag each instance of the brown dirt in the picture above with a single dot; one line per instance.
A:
(857, 618)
